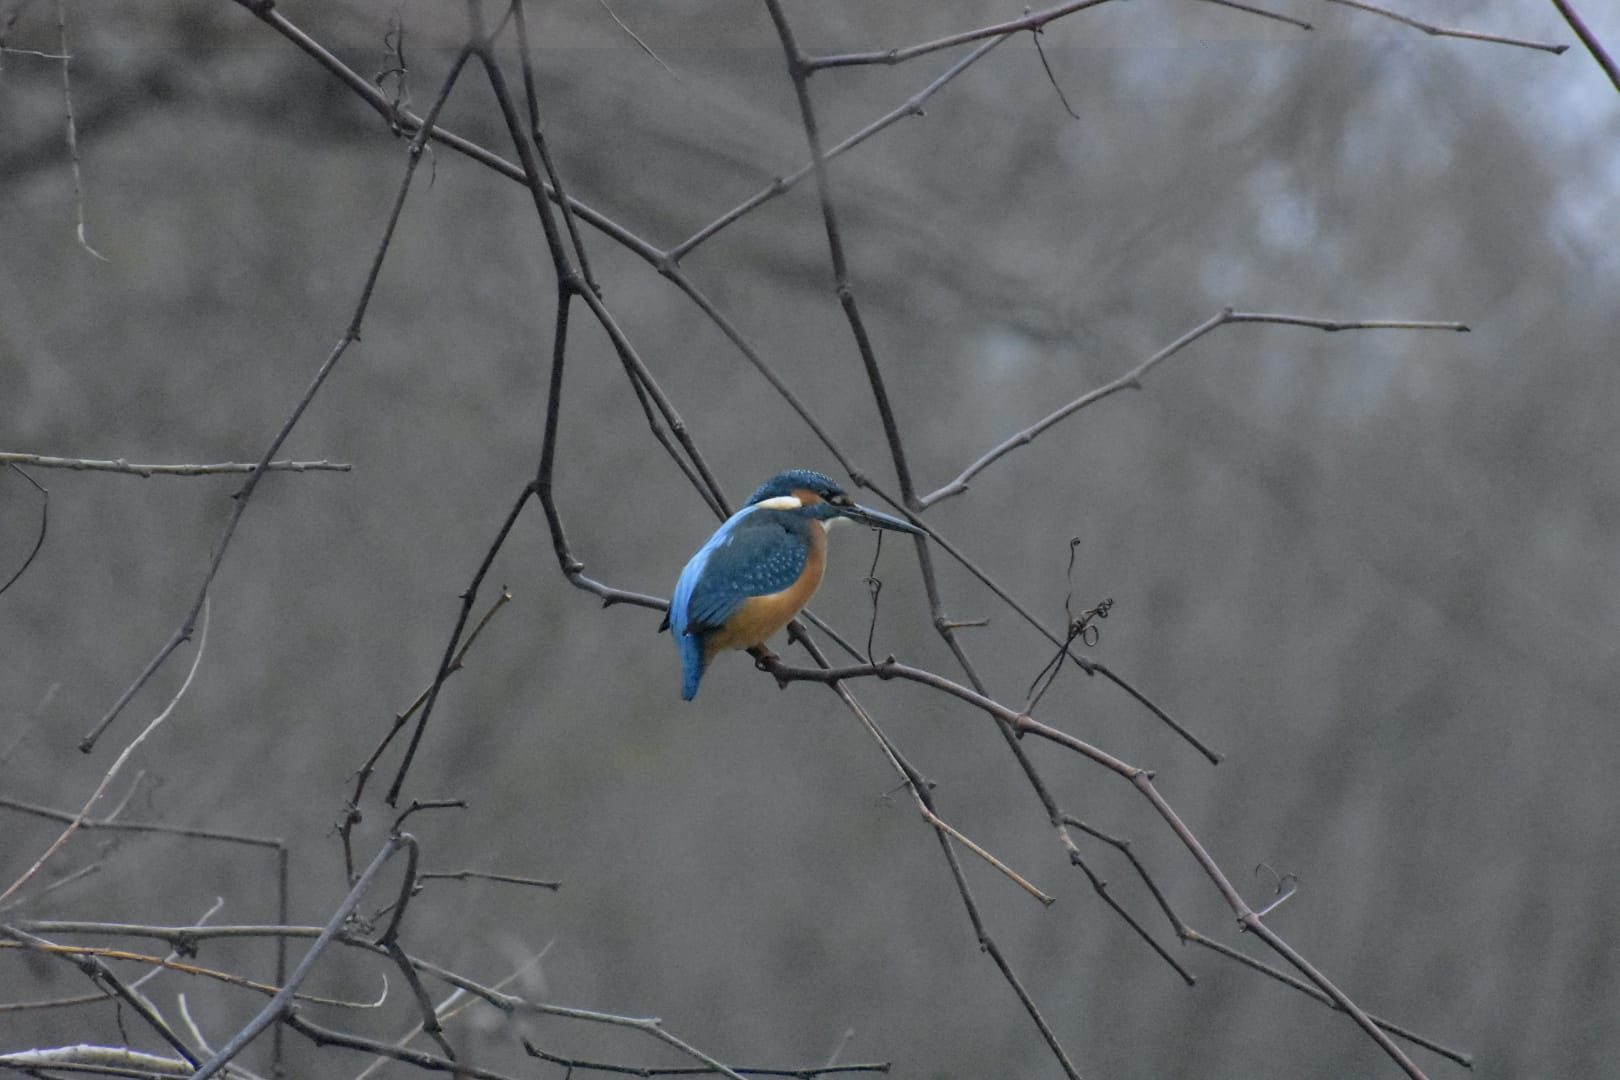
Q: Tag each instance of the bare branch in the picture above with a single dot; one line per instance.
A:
(912, 106)
(1441, 31)
(1132, 379)
(895, 56)
(102, 975)
(644, 1070)
(1264, 14)
(458, 1001)
(1101, 887)
(281, 1005)
(44, 527)
(622, 25)
(1189, 934)
(325, 1036)
(231, 1071)
(351, 813)
(389, 941)
(72, 129)
(119, 465)
(180, 967)
(100, 1060)
(1589, 39)
(480, 875)
(107, 777)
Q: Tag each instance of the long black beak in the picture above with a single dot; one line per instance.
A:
(878, 520)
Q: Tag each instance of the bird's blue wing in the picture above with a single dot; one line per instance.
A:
(755, 553)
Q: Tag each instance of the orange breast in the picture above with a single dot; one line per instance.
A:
(761, 616)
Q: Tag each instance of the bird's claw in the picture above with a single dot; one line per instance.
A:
(766, 660)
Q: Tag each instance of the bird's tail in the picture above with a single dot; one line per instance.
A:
(692, 660)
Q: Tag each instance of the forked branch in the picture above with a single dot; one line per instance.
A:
(1132, 379)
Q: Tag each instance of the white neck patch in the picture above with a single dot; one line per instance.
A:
(781, 502)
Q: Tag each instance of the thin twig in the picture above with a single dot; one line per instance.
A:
(107, 777)
(72, 129)
(68, 817)
(454, 649)
(1051, 76)
(281, 1005)
(633, 37)
(183, 938)
(1252, 923)
(1589, 39)
(1264, 14)
(531, 95)
(1033, 21)
(197, 1036)
(649, 1025)
(956, 834)
(585, 1065)
(389, 941)
(44, 525)
(479, 875)
(1295, 982)
(351, 812)
(94, 1060)
(86, 871)
(1441, 31)
(99, 973)
(181, 967)
(912, 106)
(458, 1001)
(325, 1036)
(1100, 886)
(119, 465)
(38, 54)
(1132, 379)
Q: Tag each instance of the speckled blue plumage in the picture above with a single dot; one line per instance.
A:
(755, 553)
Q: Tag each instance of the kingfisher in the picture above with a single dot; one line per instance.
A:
(760, 568)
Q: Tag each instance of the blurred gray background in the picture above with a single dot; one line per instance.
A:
(1377, 570)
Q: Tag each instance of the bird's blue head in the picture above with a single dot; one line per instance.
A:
(814, 495)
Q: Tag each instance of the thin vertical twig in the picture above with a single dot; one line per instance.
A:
(72, 129)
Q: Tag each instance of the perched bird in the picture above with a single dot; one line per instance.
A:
(760, 568)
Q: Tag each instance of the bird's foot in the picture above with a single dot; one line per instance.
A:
(766, 660)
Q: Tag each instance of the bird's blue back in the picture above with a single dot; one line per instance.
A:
(758, 551)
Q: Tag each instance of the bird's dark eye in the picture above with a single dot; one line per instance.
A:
(841, 500)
